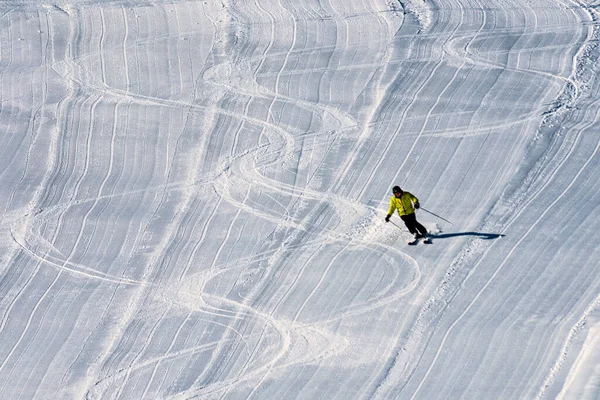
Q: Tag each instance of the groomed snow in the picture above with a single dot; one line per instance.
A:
(194, 194)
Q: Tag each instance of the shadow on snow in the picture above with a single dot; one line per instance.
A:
(485, 236)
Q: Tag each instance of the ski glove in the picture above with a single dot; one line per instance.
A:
(417, 205)
(387, 218)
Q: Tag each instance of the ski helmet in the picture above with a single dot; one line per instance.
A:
(397, 189)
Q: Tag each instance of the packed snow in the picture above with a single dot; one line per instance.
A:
(194, 195)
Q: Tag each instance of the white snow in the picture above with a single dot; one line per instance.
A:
(194, 193)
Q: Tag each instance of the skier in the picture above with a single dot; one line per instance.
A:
(406, 203)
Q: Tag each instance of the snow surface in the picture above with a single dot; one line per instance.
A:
(193, 196)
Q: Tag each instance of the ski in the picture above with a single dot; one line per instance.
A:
(426, 240)
(413, 242)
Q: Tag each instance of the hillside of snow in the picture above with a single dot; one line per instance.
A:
(193, 196)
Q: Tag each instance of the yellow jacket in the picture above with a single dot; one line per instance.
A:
(404, 204)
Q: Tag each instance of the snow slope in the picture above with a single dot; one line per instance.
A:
(193, 196)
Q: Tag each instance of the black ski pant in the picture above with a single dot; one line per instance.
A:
(410, 220)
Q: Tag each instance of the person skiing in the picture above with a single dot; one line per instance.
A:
(406, 203)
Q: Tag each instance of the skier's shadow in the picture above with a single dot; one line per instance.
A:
(481, 235)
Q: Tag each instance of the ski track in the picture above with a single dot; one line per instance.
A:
(193, 197)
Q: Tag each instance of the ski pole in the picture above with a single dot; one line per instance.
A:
(396, 225)
(436, 215)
